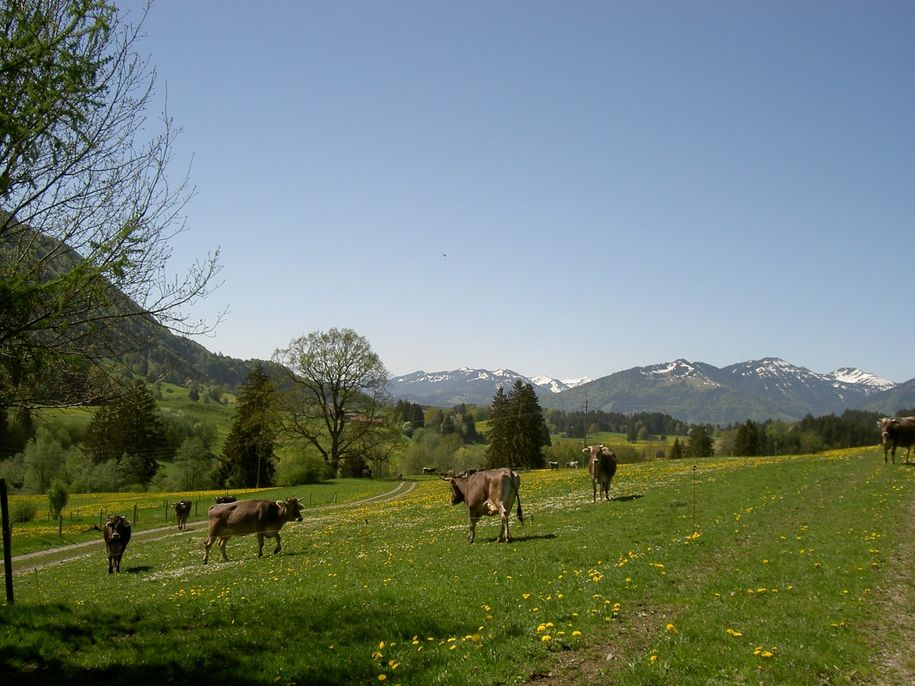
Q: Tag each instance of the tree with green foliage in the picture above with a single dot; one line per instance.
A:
(43, 458)
(248, 458)
(333, 393)
(747, 441)
(87, 208)
(128, 432)
(519, 430)
(700, 442)
(58, 496)
(676, 450)
(193, 466)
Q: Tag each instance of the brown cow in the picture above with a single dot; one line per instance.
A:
(897, 432)
(117, 536)
(182, 512)
(224, 499)
(264, 518)
(488, 492)
(601, 467)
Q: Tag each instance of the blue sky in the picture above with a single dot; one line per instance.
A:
(614, 183)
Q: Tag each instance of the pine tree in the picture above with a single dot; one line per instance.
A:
(519, 430)
(128, 430)
(676, 450)
(700, 443)
(498, 453)
(747, 441)
(247, 456)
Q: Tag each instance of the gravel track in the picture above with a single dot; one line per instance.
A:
(52, 556)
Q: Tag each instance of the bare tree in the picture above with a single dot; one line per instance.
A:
(87, 211)
(334, 392)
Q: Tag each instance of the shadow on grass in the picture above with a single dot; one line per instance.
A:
(532, 537)
(626, 498)
(306, 641)
(139, 569)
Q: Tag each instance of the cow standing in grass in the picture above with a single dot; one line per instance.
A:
(264, 518)
(488, 492)
(182, 512)
(117, 536)
(601, 467)
(897, 432)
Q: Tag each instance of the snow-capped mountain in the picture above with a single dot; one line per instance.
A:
(558, 385)
(851, 376)
(473, 386)
(692, 391)
(699, 392)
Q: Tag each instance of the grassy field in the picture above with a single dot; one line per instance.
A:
(794, 570)
(154, 510)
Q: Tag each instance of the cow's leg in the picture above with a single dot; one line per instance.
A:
(279, 547)
(260, 545)
(222, 547)
(593, 491)
(473, 529)
(893, 453)
(206, 548)
(110, 564)
(504, 535)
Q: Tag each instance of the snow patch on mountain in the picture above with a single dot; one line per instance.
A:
(854, 376)
(558, 385)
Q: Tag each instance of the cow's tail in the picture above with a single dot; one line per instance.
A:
(520, 514)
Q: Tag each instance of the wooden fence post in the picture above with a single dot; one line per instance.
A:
(7, 543)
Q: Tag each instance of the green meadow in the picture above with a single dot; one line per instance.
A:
(793, 570)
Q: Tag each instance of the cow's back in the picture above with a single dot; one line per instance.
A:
(243, 517)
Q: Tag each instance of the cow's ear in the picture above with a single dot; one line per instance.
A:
(280, 503)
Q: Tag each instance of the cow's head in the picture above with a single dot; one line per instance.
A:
(114, 526)
(594, 452)
(887, 425)
(291, 507)
(457, 491)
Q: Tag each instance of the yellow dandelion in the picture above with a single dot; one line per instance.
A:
(546, 637)
(576, 633)
(671, 629)
(382, 677)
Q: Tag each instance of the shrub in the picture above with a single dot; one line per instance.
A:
(23, 511)
(57, 498)
(306, 469)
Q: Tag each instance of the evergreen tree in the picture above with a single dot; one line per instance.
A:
(129, 428)
(519, 429)
(676, 450)
(498, 452)
(747, 440)
(700, 443)
(247, 456)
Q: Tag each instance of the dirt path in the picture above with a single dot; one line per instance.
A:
(51, 556)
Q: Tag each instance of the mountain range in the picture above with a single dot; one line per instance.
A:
(696, 392)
